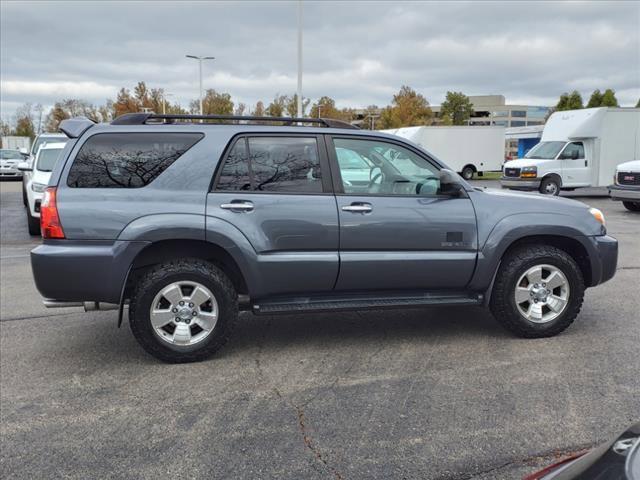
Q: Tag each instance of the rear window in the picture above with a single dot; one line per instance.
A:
(272, 164)
(127, 160)
(47, 159)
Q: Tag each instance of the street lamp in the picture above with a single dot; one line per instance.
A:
(200, 59)
(164, 101)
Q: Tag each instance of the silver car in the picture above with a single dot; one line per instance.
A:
(9, 160)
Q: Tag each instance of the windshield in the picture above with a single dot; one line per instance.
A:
(42, 140)
(545, 150)
(47, 159)
(10, 155)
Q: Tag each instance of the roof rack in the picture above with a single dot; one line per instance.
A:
(152, 118)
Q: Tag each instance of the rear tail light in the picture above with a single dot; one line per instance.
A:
(50, 225)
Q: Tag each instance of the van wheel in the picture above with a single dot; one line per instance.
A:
(538, 291)
(33, 223)
(632, 206)
(550, 186)
(183, 310)
(467, 173)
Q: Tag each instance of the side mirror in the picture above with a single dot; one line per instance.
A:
(450, 183)
(23, 151)
(24, 167)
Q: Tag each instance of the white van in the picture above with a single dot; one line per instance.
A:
(578, 148)
(465, 149)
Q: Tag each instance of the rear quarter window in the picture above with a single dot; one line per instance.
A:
(127, 160)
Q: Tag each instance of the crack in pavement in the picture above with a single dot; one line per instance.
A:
(308, 442)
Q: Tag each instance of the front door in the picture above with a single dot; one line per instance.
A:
(576, 171)
(276, 190)
(396, 230)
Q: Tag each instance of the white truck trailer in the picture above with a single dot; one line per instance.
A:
(578, 148)
(13, 142)
(467, 150)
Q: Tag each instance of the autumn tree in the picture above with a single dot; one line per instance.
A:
(24, 121)
(125, 103)
(277, 106)
(408, 108)
(258, 111)
(370, 117)
(292, 105)
(569, 101)
(456, 109)
(240, 110)
(69, 108)
(213, 103)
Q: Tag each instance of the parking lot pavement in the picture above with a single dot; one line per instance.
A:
(422, 393)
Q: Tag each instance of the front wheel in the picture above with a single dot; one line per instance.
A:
(538, 291)
(632, 206)
(183, 310)
(550, 186)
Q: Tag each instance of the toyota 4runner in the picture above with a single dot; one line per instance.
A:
(189, 219)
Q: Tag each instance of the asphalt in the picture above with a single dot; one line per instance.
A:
(438, 393)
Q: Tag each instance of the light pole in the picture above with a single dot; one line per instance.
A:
(299, 58)
(200, 59)
(164, 101)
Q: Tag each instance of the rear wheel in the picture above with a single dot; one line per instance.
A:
(538, 291)
(632, 206)
(550, 186)
(467, 172)
(183, 310)
(33, 223)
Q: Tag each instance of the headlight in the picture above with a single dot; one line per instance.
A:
(598, 215)
(38, 187)
(529, 172)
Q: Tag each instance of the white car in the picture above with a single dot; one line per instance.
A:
(626, 185)
(39, 141)
(37, 181)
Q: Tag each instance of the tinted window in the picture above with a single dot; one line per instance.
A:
(127, 160)
(518, 113)
(572, 149)
(272, 164)
(387, 169)
(47, 159)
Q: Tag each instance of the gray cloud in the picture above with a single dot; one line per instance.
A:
(360, 53)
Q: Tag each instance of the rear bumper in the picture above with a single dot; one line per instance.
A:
(605, 259)
(520, 184)
(624, 192)
(79, 271)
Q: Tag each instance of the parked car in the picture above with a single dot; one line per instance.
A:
(40, 172)
(578, 148)
(189, 222)
(626, 185)
(40, 140)
(9, 160)
(617, 459)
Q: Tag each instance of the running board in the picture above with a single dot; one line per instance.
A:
(328, 303)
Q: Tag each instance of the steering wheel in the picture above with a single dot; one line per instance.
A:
(372, 182)
(426, 179)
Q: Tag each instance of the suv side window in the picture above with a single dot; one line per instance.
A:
(384, 169)
(127, 160)
(569, 150)
(272, 164)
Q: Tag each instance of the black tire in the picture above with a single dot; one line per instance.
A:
(25, 202)
(33, 223)
(632, 206)
(467, 172)
(514, 265)
(550, 186)
(158, 277)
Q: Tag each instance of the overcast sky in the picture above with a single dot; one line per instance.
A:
(359, 53)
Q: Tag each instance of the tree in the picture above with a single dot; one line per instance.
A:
(595, 100)
(241, 109)
(258, 111)
(5, 128)
(638, 104)
(609, 99)
(292, 105)
(572, 101)
(24, 121)
(125, 103)
(277, 106)
(69, 108)
(456, 109)
(408, 108)
(213, 103)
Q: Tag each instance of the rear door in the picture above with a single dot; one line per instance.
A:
(276, 190)
(396, 230)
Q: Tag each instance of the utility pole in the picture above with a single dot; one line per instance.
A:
(164, 102)
(299, 58)
(200, 59)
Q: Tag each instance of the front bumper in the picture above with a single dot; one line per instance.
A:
(520, 183)
(624, 192)
(605, 262)
(10, 172)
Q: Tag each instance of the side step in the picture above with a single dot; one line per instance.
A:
(343, 302)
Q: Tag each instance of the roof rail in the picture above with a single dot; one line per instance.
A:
(152, 118)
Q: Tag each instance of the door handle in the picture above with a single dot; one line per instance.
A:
(238, 206)
(358, 208)
(585, 163)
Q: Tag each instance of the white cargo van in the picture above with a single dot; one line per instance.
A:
(467, 150)
(578, 148)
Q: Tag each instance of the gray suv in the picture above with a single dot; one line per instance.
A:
(189, 219)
